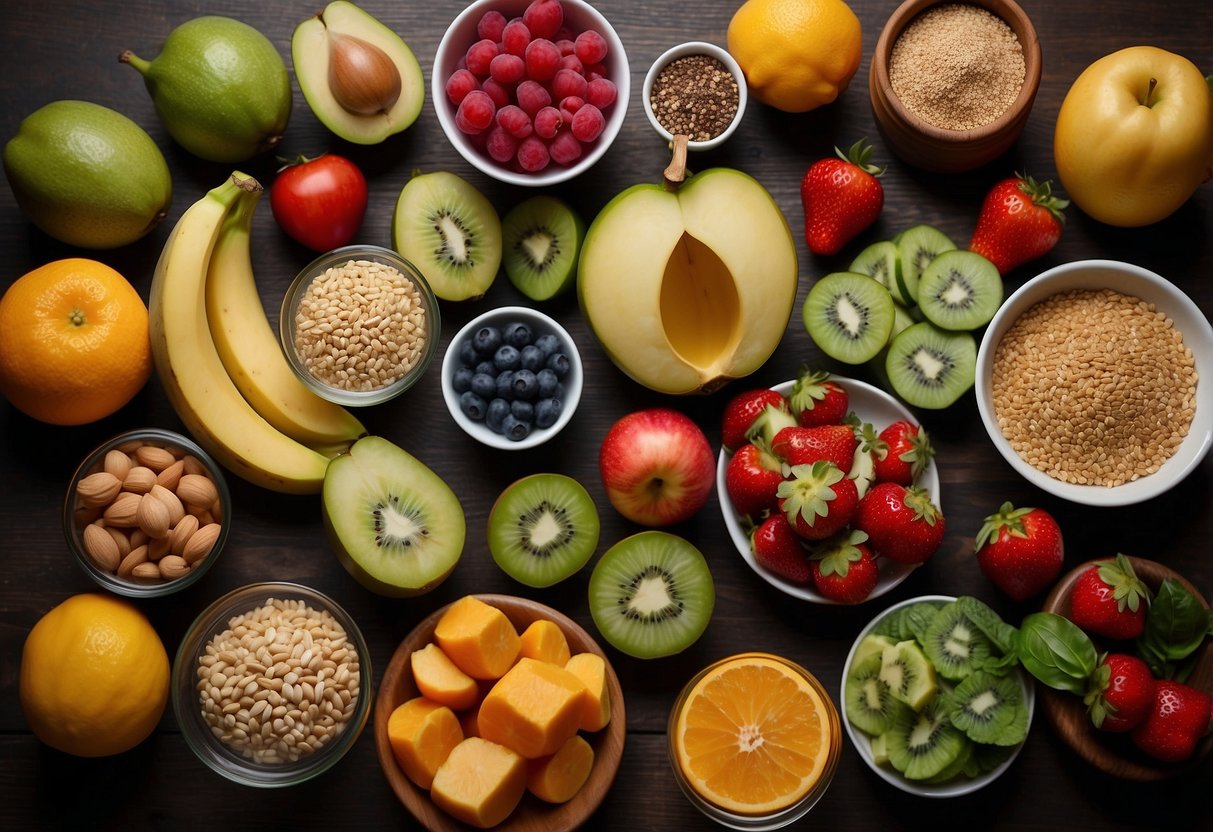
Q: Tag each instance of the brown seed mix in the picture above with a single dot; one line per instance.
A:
(280, 682)
(1094, 387)
(695, 96)
(957, 66)
(360, 326)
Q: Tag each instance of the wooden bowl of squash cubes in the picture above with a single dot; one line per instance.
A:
(498, 711)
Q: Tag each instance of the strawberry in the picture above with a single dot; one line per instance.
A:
(818, 499)
(740, 413)
(751, 479)
(780, 550)
(905, 453)
(817, 401)
(1020, 220)
(1109, 600)
(1120, 694)
(1177, 720)
(844, 568)
(842, 196)
(901, 522)
(804, 446)
(1020, 550)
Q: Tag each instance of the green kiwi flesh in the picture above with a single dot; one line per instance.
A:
(541, 240)
(990, 709)
(879, 262)
(960, 290)
(542, 529)
(916, 248)
(869, 704)
(954, 645)
(451, 232)
(849, 316)
(907, 622)
(396, 526)
(923, 744)
(651, 594)
(908, 673)
(929, 367)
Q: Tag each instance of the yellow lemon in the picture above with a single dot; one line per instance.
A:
(94, 676)
(796, 54)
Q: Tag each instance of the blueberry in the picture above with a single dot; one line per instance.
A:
(517, 334)
(496, 412)
(547, 411)
(523, 411)
(462, 380)
(505, 385)
(507, 358)
(484, 385)
(486, 367)
(558, 363)
(525, 385)
(467, 354)
(548, 383)
(472, 406)
(531, 358)
(486, 340)
(548, 344)
(514, 428)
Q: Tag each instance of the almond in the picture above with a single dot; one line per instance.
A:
(197, 490)
(152, 516)
(158, 547)
(121, 512)
(101, 549)
(138, 538)
(146, 572)
(182, 532)
(193, 465)
(139, 480)
(130, 446)
(175, 510)
(135, 557)
(200, 543)
(171, 475)
(120, 540)
(98, 489)
(172, 567)
(117, 463)
(154, 457)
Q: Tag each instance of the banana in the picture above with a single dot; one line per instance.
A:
(189, 367)
(251, 353)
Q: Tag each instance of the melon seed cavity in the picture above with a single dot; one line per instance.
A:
(957, 66)
(695, 96)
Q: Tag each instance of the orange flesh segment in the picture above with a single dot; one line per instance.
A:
(440, 680)
(558, 778)
(478, 638)
(422, 734)
(480, 783)
(533, 709)
(544, 641)
(596, 702)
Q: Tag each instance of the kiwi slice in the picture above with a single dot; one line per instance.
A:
(986, 758)
(954, 645)
(849, 316)
(916, 248)
(541, 239)
(958, 767)
(904, 667)
(451, 232)
(651, 594)
(923, 744)
(990, 709)
(907, 622)
(869, 704)
(542, 529)
(960, 290)
(395, 525)
(929, 367)
(873, 644)
(879, 262)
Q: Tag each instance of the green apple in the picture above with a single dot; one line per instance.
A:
(689, 288)
(1134, 136)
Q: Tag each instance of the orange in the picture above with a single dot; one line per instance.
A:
(796, 54)
(754, 734)
(74, 343)
(94, 676)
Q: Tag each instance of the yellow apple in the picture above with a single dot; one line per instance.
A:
(1134, 136)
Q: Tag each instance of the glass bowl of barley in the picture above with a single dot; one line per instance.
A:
(359, 325)
(272, 684)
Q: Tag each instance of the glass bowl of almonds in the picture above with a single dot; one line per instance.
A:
(272, 684)
(147, 513)
(359, 325)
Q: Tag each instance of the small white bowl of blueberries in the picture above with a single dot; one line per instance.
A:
(512, 377)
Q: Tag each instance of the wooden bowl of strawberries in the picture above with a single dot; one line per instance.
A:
(1174, 734)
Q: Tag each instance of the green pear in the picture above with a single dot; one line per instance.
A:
(87, 175)
(220, 88)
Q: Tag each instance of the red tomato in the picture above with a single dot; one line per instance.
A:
(320, 202)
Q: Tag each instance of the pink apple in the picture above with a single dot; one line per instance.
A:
(657, 467)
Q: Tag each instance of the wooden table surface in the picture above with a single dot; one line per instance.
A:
(58, 49)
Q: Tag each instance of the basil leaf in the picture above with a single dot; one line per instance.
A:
(1054, 650)
(1176, 626)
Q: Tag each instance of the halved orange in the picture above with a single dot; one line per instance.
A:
(755, 734)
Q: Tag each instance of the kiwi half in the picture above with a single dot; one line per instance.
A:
(652, 595)
(929, 367)
(960, 290)
(990, 709)
(541, 240)
(916, 248)
(451, 232)
(849, 316)
(542, 529)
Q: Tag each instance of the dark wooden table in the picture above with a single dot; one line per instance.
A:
(68, 48)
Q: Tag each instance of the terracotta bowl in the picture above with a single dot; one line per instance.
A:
(532, 814)
(1114, 754)
(933, 148)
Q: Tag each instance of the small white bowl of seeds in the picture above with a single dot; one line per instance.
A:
(359, 325)
(1093, 382)
(695, 89)
(272, 684)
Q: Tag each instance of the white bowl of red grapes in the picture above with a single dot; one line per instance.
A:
(512, 378)
(531, 92)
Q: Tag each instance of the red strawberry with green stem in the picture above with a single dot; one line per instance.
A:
(751, 478)
(1177, 720)
(1020, 550)
(905, 454)
(1120, 694)
(741, 411)
(818, 500)
(804, 446)
(841, 196)
(816, 400)
(777, 548)
(1108, 599)
(901, 522)
(844, 568)
(1020, 220)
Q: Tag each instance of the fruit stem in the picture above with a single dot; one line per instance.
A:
(676, 172)
(1149, 102)
(129, 57)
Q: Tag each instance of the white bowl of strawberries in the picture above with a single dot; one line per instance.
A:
(828, 488)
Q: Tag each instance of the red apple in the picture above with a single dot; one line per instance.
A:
(657, 467)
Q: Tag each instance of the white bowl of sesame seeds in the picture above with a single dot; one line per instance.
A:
(359, 325)
(1093, 383)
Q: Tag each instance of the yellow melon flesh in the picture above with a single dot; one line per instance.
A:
(596, 701)
(422, 734)
(558, 778)
(478, 638)
(480, 783)
(533, 709)
(440, 680)
(544, 641)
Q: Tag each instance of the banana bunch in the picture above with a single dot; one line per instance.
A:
(219, 362)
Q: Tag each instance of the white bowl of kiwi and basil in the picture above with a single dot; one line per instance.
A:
(931, 702)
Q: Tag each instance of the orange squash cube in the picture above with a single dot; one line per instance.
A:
(533, 709)
(596, 706)
(478, 638)
(558, 778)
(480, 783)
(440, 680)
(422, 734)
(544, 641)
